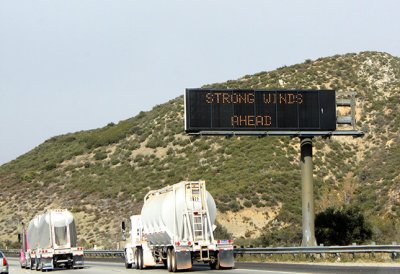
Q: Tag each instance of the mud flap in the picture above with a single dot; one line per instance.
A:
(183, 260)
(226, 259)
(148, 259)
(78, 262)
(46, 263)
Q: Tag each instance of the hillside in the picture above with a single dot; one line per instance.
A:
(102, 175)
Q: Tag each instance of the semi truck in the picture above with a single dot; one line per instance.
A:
(175, 228)
(51, 242)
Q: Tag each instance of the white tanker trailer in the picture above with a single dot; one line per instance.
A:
(52, 241)
(176, 228)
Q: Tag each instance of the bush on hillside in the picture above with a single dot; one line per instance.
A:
(221, 232)
(342, 226)
(288, 236)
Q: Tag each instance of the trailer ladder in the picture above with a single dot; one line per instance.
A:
(197, 226)
(197, 213)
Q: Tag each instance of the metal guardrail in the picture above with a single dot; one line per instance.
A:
(394, 250)
(11, 252)
(89, 252)
(104, 253)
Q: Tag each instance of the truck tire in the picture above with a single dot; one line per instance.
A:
(169, 265)
(128, 265)
(215, 263)
(37, 264)
(173, 261)
(139, 258)
(135, 259)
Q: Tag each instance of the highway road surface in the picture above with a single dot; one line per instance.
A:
(100, 267)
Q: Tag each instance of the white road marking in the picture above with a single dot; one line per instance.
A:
(270, 271)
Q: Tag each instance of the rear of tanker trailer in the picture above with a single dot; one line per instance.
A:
(175, 228)
(55, 241)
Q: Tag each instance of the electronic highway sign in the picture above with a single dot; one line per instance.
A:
(243, 110)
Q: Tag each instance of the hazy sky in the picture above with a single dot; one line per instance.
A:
(70, 65)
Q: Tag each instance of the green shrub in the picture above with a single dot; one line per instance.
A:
(100, 155)
(342, 226)
(247, 203)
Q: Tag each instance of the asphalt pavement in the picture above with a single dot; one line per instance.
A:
(112, 266)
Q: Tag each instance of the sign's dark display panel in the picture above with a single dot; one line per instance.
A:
(259, 110)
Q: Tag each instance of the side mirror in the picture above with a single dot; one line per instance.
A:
(123, 230)
(123, 226)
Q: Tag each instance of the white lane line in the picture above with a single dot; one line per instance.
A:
(271, 271)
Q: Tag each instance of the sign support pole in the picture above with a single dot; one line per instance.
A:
(307, 194)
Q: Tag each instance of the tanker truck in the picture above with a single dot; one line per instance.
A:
(175, 228)
(52, 241)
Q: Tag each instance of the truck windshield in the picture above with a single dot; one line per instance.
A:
(60, 234)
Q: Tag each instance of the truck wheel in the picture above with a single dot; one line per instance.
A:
(128, 265)
(173, 261)
(169, 265)
(136, 259)
(215, 263)
(212, 265)
(140, 258)
(37, 263)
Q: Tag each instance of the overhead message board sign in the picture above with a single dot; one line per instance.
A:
(259, 110)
